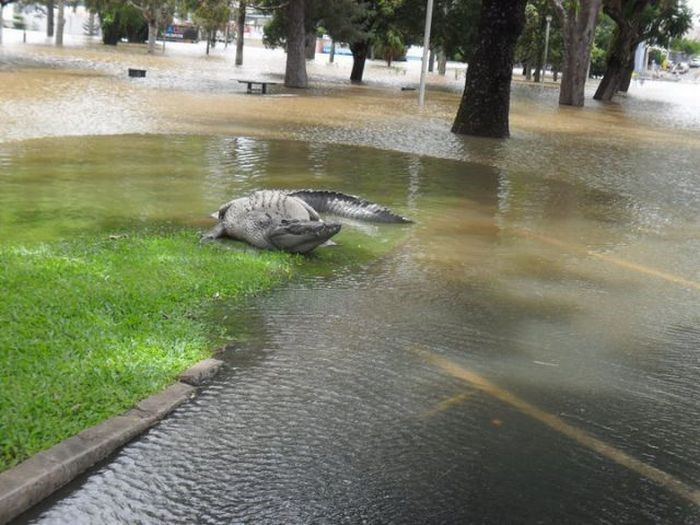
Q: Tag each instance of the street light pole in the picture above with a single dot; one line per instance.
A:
(426, 49)
(548, 18)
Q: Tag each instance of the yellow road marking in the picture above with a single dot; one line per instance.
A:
(622, 263)
(448, 403)
(555, 423)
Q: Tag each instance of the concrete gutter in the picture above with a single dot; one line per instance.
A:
(38, 477)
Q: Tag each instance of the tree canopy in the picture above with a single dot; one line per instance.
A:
(685, 45)
(211, 15)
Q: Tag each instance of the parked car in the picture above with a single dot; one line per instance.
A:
(694, 62)
(680, 68)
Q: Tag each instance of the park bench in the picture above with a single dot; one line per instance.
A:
(262, 83)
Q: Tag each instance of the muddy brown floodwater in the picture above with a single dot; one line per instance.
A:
(527, 352)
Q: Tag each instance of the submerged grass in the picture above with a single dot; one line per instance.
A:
(89, 327)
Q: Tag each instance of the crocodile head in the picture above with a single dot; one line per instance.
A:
(301, 236)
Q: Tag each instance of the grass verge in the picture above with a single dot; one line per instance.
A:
(89, 327)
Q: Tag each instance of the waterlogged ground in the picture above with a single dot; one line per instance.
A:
(526, 352)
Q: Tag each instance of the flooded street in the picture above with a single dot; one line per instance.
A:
(526, 352)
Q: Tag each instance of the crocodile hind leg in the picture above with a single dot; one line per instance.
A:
(215, 233)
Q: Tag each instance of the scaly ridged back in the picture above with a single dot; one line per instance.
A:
(347, 206)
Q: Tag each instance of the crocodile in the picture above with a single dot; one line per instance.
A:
(290, 220)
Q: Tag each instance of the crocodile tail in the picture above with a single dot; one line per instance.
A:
(343, 205)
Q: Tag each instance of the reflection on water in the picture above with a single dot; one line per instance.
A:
(575, 293)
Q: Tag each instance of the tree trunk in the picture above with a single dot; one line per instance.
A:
(152, 31)
(92, 25)
(539, 52)
(310, 46)
(111, 33)
(485, 104)
(627, 77)
(528, 72)
(331, 55)
(295, 73)
(208, 40)
(240, 31)
(555, 75)
(578, 22)
(2, 8)
(359, 56)
(442, 62)
(431, 60)
(61, 22)
(617, 65)
(49, 18)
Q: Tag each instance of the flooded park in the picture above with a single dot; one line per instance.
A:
(525, 352)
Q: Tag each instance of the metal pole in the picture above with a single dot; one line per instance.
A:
(548, 18)
(426, 50)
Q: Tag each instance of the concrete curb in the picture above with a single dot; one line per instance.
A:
(200, 372)
(38, 477)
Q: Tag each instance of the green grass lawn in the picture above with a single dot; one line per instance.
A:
(89, 327)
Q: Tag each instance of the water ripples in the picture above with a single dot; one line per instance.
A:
(331, 417)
